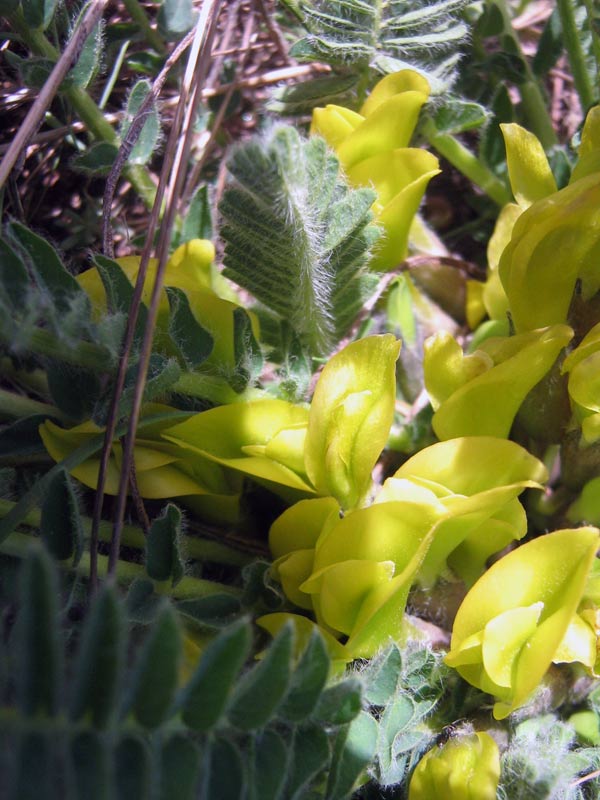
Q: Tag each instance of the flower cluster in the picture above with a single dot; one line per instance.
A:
(372, 146)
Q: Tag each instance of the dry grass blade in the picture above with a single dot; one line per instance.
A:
(43, 100)
(171, 181)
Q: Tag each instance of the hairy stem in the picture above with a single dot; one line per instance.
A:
(193, 546)
(19, 544)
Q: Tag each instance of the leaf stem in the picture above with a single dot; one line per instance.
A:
(194, 547)
(467, 162)
(572, 42)
(18, 406)
(18, 545)
(138, 15)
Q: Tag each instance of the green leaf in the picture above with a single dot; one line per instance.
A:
(197, 223)
(38, 13)
(214, 611)
(141, 603)
(307, 681)
(149, 136)
(34, 779)
(157, 672)
(261, 690)
(270, 757)
(550, 46)
(73, 389)
(207, 693)
(246, 350)
(355, 35)
(14, 280)
(354, 749)
(132, 769)
(310, 754)
(119, 291)
(47, 267)
(37, 641)
(61, 526)
(194, 342)
(22, 438)
(175, 17)
(291, 190)
(164, 560)
(88, 62)
(301, 98)
(179, 768)
(90, 765)
(456, 116)
(99, 662)
(225, 778)
(381, 676)
(339, 704)
(97, 159)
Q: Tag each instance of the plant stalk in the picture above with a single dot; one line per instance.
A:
(572, 42)
(138, 15)
(193, 546)
(18, 545)
(18, 406)
(467, 162)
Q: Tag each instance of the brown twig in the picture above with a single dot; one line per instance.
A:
(35, 114)
(172, 173)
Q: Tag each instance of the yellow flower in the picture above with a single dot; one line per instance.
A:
(372, 146)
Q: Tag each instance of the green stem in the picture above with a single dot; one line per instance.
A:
(193, 546)
(138, 15)
(466, 162)
(86, 108)
(589, 7)
(18, 545)
(535, 107)
(572, 42)
(17, 406)
(97, 358)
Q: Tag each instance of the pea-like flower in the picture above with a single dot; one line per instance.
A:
(583, 367)
(372, 146)
(521, 615)
(454, 502)
(480, 394)
(464, 768)
(162, 470)
(545, 242)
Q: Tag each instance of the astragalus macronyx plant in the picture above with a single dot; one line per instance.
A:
(417, 566)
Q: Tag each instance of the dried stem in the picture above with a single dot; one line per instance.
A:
(173, 165)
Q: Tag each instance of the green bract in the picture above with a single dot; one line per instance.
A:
(373, 149)
(350, 418)
(480, 394)
(465, 768)
(513, 622)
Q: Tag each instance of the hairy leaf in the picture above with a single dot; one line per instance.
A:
(296, 236)
(359, 38)
(39, 659)
(163, 556)
(61, 524)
